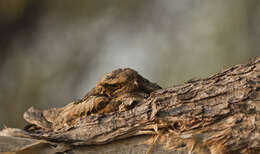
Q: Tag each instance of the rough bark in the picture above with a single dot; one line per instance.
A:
(218, 114)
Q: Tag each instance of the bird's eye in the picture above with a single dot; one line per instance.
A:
(112, 85)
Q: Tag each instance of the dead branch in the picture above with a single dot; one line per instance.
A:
(126, 113)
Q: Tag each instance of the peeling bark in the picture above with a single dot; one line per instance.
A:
(218, 114)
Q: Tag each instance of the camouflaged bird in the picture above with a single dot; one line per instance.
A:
(117, 91)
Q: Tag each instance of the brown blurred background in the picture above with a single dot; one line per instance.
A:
(53, 52)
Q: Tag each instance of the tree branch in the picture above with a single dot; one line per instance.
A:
(218, 114)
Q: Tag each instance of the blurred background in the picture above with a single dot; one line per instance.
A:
(53, 52)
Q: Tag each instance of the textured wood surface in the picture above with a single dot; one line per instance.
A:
(218, 114)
